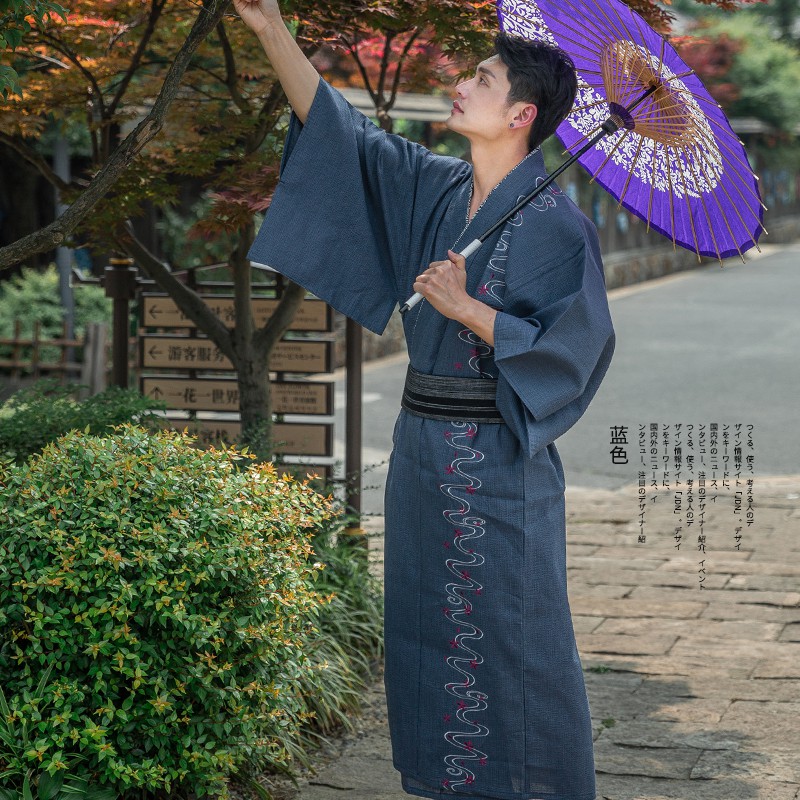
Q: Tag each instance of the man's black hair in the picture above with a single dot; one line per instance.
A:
(542, 74)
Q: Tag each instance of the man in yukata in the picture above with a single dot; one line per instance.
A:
(484, 685)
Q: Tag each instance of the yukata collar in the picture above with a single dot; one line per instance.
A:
(520, 181)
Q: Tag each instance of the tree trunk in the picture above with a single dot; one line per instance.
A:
(252, 364)
(255, 405)
(385, 122)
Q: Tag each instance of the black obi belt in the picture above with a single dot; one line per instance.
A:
(440, 397)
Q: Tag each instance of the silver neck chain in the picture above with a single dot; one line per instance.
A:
(472, 189)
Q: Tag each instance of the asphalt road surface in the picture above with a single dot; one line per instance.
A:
(707, 345)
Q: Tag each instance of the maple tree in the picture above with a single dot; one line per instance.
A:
(712, 58)
(222, 122)
(419, 46)
(214, 112)
(15, 21)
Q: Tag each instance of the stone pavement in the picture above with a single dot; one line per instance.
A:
(694, 693)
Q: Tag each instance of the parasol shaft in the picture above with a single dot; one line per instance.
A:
(608, 127)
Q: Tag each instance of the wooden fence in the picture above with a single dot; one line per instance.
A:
(26, 363)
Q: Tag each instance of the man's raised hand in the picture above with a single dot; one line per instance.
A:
(297, 75)
(258, 15)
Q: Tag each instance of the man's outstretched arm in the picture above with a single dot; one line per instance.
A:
(297, 75)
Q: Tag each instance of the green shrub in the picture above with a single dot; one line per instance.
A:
(31, 782)
(41, 413)
(34, 295)
(174, 594)
(345, 653)
(347, 650)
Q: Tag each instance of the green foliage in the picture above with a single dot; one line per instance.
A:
(766, 70)
(34, 295)
(182, 245)
(14, 26)
(172, 591)
(349, 646)
(36, 416)
(345, 652)
(21, 739)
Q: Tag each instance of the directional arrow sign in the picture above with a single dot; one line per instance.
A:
(184, 352)
(160, 311)
(296, 439)
(202, 394)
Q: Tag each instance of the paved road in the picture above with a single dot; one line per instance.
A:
(710, 344)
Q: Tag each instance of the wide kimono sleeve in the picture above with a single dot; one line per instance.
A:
(554, 338)
(350, 201)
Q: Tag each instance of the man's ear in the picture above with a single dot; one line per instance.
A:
(526, 116)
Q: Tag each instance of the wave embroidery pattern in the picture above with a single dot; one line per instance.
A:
(494, 288)
(466, 529)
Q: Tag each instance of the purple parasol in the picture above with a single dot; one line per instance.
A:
(673, 160)
(645, 128)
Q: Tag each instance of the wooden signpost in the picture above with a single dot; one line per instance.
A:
(297, 439)
(187, 356)
(204, 394)
(159, 311)
(191, 352)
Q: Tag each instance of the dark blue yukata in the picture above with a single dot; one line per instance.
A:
(484, 686)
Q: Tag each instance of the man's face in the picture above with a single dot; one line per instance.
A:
(480, 109)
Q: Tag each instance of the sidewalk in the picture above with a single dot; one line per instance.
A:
(695, 694)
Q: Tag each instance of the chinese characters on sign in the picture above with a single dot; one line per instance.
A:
(682, 471)
(160, 311)
(185, 352)
(196, 381)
